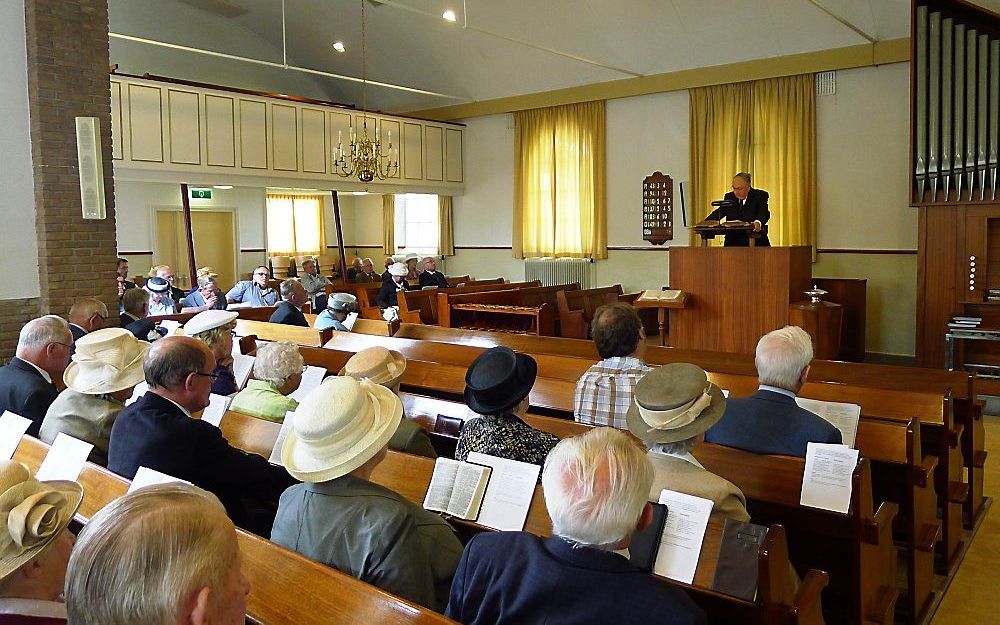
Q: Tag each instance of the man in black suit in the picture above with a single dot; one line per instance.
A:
(289, 311)
(86, 315)
(751, 207)
(157, 432)
(769, 421)
(430, 276)
(26, 383)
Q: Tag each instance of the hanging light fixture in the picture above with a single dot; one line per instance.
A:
(364, 158)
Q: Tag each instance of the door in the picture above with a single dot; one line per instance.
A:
(214, 244)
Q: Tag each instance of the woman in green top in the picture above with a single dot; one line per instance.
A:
(277, 372)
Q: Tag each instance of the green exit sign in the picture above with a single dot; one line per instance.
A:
(201, 194)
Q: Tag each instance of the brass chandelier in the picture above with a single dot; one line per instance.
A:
(364, 158)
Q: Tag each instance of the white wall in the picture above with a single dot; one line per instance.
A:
(19, 248)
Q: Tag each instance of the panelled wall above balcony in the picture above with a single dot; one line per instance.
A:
(180, 133)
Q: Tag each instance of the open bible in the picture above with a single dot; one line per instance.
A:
(457, 488)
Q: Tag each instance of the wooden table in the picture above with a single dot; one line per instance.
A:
(661, 307)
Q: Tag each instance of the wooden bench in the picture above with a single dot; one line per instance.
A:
(779, 600)
(576, 308)
(321, 594)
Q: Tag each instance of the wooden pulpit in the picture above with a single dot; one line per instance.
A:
(735, 294)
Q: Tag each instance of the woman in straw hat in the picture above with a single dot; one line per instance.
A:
(496, 387)
(339, 517)
(105, 369)
(386, 367)
(674, 405)
(34, 545)
(277, 373)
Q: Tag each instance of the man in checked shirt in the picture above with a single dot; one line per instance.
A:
(604, 392)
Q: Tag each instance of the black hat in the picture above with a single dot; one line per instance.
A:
(498, 379)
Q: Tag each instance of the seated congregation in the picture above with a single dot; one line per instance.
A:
(170, 551)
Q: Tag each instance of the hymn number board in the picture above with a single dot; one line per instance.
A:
(657, 208)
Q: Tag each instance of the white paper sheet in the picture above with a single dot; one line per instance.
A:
(683, 535)
(148, 477)
(242, 367)
(170, 326)
(508, 496)
(842, 416)
(139, 391)
(286, 427)
(826, 480)
(12, 428)
(65, 459)
(349, 322)
(217, 406)
(311, 378)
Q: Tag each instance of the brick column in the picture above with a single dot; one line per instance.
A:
(68, 57)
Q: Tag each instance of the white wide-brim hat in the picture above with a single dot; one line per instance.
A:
(398, 269)
(338, 427)
(106, 361)
(208, 320)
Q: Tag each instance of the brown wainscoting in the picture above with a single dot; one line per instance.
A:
(838, 250)
(145, 253)
(253, 250)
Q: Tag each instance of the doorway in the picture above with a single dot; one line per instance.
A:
(214, 234)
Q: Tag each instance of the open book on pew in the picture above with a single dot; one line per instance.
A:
(507, 489)
(842, 416)
(457, 488)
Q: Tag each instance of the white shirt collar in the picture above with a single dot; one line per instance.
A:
(45, 374)
(33, 607)
(686, 457)
(775, 389)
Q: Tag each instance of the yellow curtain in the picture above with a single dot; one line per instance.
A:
(295, 225)
(768, 129)
(446, 231)
(559, 182)
(389, 224)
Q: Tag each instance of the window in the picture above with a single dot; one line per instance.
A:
(294, 225)
(417, 224)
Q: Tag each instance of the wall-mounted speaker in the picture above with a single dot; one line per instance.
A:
(91, 167)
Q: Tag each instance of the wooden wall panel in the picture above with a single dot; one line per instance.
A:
(453, 155)
(434, 153)
(220, 131)
(116, 120)
(413, 151)
(184, 122)
(253, 134)
(145, 111)
(314, 144)
(284, 137)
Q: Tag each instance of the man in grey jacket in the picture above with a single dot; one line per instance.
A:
(339, 517)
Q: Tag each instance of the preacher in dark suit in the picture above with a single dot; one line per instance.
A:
(289, 311)
(575, 576)
(769, 421)
(430, 276)
(751, 207)
(158, 432)
(26, 383)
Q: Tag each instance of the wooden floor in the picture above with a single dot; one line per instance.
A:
(970, 600)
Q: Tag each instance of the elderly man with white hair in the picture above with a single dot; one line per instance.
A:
(595, 490)
(769, 421)
(26, 383)
(277, 373)
(162, 555)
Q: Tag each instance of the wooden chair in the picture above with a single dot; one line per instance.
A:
(281, 267)
(576, 308)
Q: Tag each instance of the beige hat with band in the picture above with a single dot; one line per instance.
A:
(106, 361)
(378, 364)
(32, 514)
(674, 402)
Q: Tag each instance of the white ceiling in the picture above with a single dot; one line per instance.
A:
(497, 48)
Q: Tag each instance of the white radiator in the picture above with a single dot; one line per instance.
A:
(560, 271)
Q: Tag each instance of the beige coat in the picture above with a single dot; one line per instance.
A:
(86, 417)
(682, 476)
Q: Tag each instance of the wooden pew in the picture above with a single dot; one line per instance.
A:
(576, 308)
(321, 594)
(967, 410)
(779, 600)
